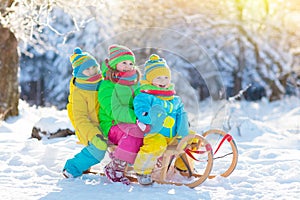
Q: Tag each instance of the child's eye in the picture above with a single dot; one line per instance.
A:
(130, 63)
(124, 63)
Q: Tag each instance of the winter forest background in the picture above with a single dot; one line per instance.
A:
(215, 48)
(218, 51)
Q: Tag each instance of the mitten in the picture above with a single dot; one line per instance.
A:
(99, 142)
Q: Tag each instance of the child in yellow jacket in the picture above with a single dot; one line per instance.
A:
(83, 110)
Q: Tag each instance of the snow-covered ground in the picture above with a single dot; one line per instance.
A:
(267, 135)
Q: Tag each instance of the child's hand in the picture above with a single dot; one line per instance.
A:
(100, 142)
(144, 127)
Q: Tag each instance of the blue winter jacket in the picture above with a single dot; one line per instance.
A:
(166, 117)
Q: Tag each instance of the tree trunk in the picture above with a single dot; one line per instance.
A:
(9, 64)
(237, 83)
(240, 68)
(276, 92)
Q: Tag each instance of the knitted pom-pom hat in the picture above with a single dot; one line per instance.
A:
(155, 67)
(81, 61)
(118, 53)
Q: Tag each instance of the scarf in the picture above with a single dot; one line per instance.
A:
(126, 78)
(162, 93)
(91, 83)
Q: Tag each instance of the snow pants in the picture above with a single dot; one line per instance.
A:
(154, 146)
(86, 158)
(128, 138)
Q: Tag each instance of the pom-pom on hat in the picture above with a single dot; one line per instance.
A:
(81, 61)
(119, 53)
(155, 67)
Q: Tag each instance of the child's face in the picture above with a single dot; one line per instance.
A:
(91, 71)
(125, 66)
(161, 81)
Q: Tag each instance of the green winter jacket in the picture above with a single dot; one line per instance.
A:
(116, 104)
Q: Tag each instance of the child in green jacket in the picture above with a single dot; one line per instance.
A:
(118, 121)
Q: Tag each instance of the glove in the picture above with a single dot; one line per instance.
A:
(145, 128)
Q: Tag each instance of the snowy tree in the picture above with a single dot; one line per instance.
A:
(159, 27)
(262, 42)
(247, 49)
(22, 24)
(52, 69)
(213, 45)
(249, 41)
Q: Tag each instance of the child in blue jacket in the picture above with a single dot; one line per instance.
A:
(157, 106)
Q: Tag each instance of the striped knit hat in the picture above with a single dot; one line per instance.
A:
(118, 53)
(155, 67)
(81, 61)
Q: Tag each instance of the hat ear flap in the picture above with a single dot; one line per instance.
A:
(107, 64)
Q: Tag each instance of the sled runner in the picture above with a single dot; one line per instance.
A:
(199, 153)
(225, 152)
(198, 167)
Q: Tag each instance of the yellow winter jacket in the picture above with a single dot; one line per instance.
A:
(83, 108)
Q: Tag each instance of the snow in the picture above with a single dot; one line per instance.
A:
(267, 135)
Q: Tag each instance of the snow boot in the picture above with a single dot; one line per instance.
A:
(144, 179)
(114, 171)
(67, 174)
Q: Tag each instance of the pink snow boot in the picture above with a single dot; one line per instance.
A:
(114, 171)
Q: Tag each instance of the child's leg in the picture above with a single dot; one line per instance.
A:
(87, 157)
(153, 147)
(180, 164)
(128, 138)
(114, 171)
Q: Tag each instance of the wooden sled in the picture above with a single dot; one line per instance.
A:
(222, 149)
(198, 157)
(168, 172)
